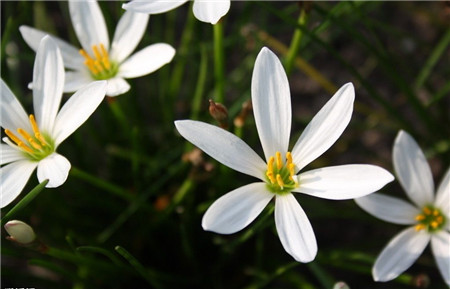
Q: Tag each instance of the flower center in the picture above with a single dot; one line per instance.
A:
(36, 146)
(100, 66)
(281, 177)
(431, 219)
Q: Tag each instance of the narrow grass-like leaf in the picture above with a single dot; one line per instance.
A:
(24, 202)
(434, 57)
(147, 274)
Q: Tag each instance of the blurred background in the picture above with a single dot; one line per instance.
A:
(129, 215)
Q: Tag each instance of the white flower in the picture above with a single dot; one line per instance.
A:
(98, 60)
(429, 215)
(272, 109)
(33, 140)
(20, 232)
(209, 11)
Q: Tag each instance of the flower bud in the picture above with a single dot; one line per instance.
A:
(218, 111)
(20, 232)
(341, 285)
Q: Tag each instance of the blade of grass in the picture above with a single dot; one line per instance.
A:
(24, 202)
(147, 274)
(219, 67)
(434, 57)
(296, 39)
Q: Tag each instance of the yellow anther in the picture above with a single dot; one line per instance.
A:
(434, 224)
(289, 158)
(291, 168)
(280, 181)
(435, 213)
(36, 131)
(29, 138)
(419, 227)
(98, 66)
(279, 161)
(427, 211)
(105, 58)
(270, 176)
(96, 52)
(13, 137)
(440, 219)
(420, 217)
(270, 164)
(85, 55)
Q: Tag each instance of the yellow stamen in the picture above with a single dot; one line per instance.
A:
(289, 157)
(85, 55)
(420, 217)
(440, 219)
(105, 58)
(96, 52)
(427, 211)
(98, 66)
(434, 224)
(12, 136)
(270, 176)
(29, 138)
(419, 227)
(279, 161)
(435, 213)
(270, 164)
(280, 181)
(36, 131)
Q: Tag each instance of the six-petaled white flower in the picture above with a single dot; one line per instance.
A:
(98, 60)
(209, 11)
(280, 172)
(429, 215)
(32, 140)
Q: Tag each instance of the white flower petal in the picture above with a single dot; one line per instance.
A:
(48, 83)
(443, 195)
(271, 100)
(78, 109)
(224, 146)
(343, 182)
(210, 11)
(440, 246)
(325, 128)
(88, 23)
(14, 177)
(12, 114)
(54, 168)
(129, 32)
(399, 254)
(294, 229)
(235, 210)
(389, 209)
(117, 86)
(76, 80)
(152, 7)
(71, 57)
(412, 170)
(147, 60)
(9, 154)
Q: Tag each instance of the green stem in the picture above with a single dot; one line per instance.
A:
(148, 275)
(435, 55)
(24, 202)
(119, 115)
(102, 184)
(180, 63)
(199, 90)
(219, 67)
(295, 43)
